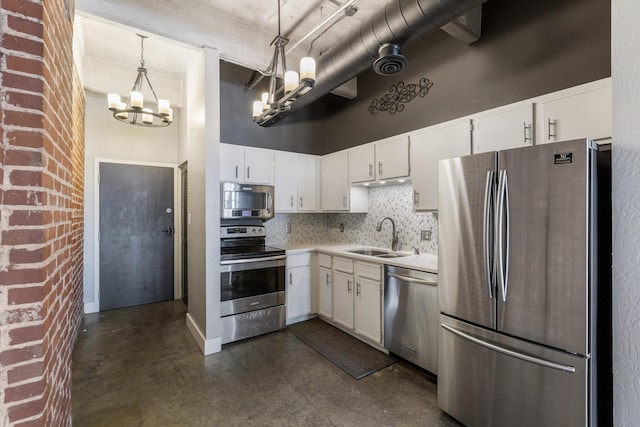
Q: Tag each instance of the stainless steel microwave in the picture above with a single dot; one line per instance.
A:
(240, 201)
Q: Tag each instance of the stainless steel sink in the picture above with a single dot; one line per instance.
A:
(368, 251)
(392, 255)
(378, 253)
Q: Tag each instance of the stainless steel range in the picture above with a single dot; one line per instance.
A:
(252, 285)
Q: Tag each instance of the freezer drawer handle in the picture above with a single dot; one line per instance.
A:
(526, 357)
(413, 279)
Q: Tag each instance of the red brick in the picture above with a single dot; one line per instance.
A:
(24, 65)
(24, 391)
(25, 295)
(22, 315)
(18, 81)
(25, 8)
(25, 138)
(22, 44)
(25, 100)
(23, 119)
(28, 217)
(19, 355)
(23, 158)
(26, 334)
(24, 198)
(26, 410)
(14, 276)
(24, 372)
(25, 26)
(27, 256)
(23, 237)
(27, 178)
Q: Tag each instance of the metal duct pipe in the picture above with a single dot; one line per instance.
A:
(399, 22)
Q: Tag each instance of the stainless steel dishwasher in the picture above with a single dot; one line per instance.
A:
(411, 316)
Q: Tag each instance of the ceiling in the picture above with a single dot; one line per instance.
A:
(240, 29)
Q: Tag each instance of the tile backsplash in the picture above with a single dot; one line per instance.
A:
(395, 201)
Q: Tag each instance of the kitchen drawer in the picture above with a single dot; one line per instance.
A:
(369, 271)
(324, 260)
(298, 260)
(343, 264)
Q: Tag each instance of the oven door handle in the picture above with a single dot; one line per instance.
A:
(250, 260)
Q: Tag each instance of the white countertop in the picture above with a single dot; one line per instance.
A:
(422, 262)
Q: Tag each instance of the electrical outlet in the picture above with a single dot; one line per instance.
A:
(288, 228)
(342, 227)
(425, 234)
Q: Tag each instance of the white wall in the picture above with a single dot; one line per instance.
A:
(625, 59)
(200, 147)
(106, 138)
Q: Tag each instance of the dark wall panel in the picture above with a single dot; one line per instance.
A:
(528, 48)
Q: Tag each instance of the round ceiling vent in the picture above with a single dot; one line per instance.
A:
(390, 60)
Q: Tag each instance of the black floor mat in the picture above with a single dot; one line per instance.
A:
(346, 352)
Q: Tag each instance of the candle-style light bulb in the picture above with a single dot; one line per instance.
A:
(307, 68)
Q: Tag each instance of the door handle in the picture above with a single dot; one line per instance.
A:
(503, 233)
(168, 231)
(488, 243)
(348, 286)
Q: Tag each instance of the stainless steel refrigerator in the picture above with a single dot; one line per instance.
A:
(524, 288)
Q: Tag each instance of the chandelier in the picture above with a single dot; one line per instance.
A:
(268, 107)
(133, 111)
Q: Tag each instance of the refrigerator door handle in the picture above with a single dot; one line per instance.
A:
(542, 362)
(489, 201)
(503, 233)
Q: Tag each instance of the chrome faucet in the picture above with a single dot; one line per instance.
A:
(394, 240)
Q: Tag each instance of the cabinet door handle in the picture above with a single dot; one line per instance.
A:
(527, 139)
(290, 279)
(248, 172)
(349, 286)
(344, 201)
(380, 168)
(300, 201)
(416, 198)
(371, 169)
(358, 289)
(328, 279)
(236, 171)
(550, 123)
(291, 201)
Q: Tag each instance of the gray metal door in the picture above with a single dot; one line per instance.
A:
(547, 288)
(136, 235)
(465, 245)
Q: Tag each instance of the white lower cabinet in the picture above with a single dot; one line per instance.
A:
(343, 299)
(356, 296)
(368, 301)
(299, 301)
(325, 301)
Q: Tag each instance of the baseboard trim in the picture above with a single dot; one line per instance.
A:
(207, 347)
(90, 307)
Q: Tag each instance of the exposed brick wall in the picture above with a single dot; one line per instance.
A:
(41, 173)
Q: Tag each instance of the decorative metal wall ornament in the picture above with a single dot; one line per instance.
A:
(400, 94)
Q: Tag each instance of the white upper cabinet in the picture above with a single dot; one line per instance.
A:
(380, 160)
(505, 127)
(307, 179)
(428, 147)
(258, 166)
(392, 157)
(580, 112)
(335, 189)
(362, 161)
(285, 181)
(246, 164)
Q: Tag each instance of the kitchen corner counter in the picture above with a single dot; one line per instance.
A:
(422, 262)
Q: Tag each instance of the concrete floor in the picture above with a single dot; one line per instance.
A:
(140, 366)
